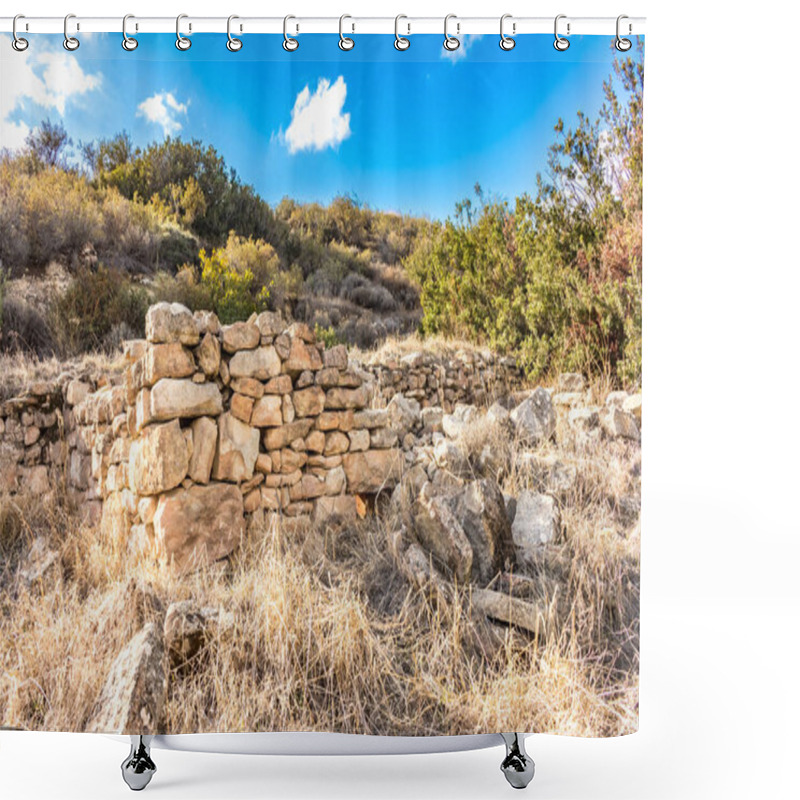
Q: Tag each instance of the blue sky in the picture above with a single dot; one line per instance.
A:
(406, 131)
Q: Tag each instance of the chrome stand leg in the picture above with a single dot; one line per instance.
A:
(138, 768)
(517, 766)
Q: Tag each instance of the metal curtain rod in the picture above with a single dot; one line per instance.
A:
(410, 25)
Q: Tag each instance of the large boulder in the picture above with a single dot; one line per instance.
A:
(159, 458)
(371, 471)
(237, 450)
(135, 692)
(439, 531)
(534, 418)
(262, 363)
(481, 510)
(174, 399)
(196, 526)
(536, 520)
(171, 322)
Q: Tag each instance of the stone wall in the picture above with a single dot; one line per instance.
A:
(208, 425)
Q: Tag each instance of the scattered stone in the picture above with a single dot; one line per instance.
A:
(135, 692)
(584, 419)
(534, 419)
(187, 628)
(512, 610)
(536, 520)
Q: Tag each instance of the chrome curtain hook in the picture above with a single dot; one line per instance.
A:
(70, 42)
(345, 42)
(18, 43)
(451, 43)
(561, 44)
(506, 42)
(128, 42)
(400, 42)
(181, 42)
(289, 44)
(623, 45)
(233, 44)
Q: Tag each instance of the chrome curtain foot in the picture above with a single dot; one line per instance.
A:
(138, 768)
(517, 766)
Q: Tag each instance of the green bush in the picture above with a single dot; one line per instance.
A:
(97, 309)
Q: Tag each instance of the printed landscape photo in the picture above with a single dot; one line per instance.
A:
(320, 386)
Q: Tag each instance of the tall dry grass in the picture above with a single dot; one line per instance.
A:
(321, 631)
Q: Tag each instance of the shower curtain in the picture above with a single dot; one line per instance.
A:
(321, 394)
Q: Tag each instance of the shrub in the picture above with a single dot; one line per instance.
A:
(327, 336)
(24, 330)
(88, 315)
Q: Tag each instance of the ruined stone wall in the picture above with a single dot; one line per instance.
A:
(470, 377)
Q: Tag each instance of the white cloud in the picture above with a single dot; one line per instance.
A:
(317, 119)
(38, 77)
(163, 109)
(466, 42)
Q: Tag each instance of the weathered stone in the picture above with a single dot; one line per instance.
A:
(308, 488)
(287, 406)
(342, 507)
(276, 438)
(449, 456)
(159, 458)
(167, 361)
(135, 692)
(187, 628)
(481, 510)
(382, 438)
(280, 384)
(207, 322)
(571, 382)
(133, 350)
(619, 424)
(242, 407)
(534, 419)
(315, 442)
(403, 413)
(327, 377)
(335, 357)
(498, 605)
(299, 330)
(456, 423)
(172, 399)
(370, 418)
(196, 526)
(301, 357)
(616, 399)
(283, 345)
(633, 405)
(171, 322)
(328, 421)
(498, 414)
(359, 440)
(237, 450)
(304, 379)
(264, 463)
(585, 418)
(441, 534)
(548, 473)
(261, 363)
(536, 520)
(249, 387)
(204, 448)
(240, 336)
(432, 418)
(267, 412)
(77, 392)
(336, 442)
(208, 355)
(339, 398)
(372, 471)
(270, 323)
(335, 481)
(309, 402)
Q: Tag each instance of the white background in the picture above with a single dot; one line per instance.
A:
(721, 561)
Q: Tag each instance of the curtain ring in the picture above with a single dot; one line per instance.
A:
(400, 42)
(561, 44)
(450, 42)
(623, 45)
(506, 42)
(289, 44)
(18, 43)
(128, 42)
(345, 42)
(70, 42)
(233, 44)
(181, 42)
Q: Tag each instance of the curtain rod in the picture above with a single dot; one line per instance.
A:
(408, 26)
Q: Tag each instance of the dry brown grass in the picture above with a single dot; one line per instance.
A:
(324, 633)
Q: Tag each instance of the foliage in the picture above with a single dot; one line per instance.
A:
(557, 278)
(98, 308)
(327, 336)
